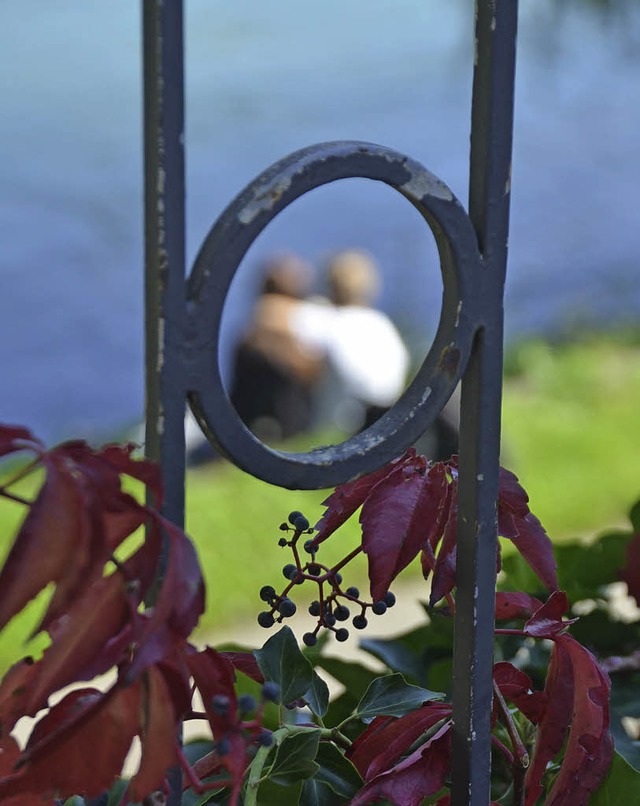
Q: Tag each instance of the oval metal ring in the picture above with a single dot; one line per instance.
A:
(219, 258)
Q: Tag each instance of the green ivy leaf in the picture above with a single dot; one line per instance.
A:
(354, 677)
(274, 795)
(621, 785)
(281, 661)
(295, 757)
(317, 697)
(393, 696)
(337, 776)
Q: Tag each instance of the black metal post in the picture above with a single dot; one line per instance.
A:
(165, 259)
(489, 195)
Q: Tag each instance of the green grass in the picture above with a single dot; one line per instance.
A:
(571, 434)
(571, 424)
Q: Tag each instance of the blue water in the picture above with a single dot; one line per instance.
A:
(262, 80)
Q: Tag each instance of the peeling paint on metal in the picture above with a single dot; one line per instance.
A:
(458, 312)
(425, 184)
(480, 477)
(160, 363)
(264, 199)
(425, 395)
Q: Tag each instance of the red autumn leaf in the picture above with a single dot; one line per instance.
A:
(446, 801)
(212, 763)
(16, 438)
(547, 621)
(444, 572)
(387, 738)
(178, 606)
(15, 691)
(578, 694)
(9, 755)
(246, 663)
(85, 642)
(53, 537)
(552, 729)
(418, 776)
(79, 746)
(396, 519)
(437, 476)
(589, 748)
(631, 571)
(515, 605)
(516, 686)
(159, 734)
(347, 498)
(120, 457)
(214, 675)
(517, 523)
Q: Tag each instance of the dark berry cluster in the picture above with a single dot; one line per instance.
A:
(333, 605)
(245, 718)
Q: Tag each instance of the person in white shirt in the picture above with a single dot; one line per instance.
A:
(367, 358)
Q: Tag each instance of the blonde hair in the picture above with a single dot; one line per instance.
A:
(353, 278)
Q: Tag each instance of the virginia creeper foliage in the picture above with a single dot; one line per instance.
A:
(124, 591)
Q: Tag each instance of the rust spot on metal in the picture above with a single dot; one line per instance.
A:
(449, 360)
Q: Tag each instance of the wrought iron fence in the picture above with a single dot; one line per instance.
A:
(183, 326)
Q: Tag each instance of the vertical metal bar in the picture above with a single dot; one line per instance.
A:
(165, 244)
(491, 137)
(165, 260)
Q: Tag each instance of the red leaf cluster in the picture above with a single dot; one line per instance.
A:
(573, 711)
(100, 617)
(390, 765)
(410, 508)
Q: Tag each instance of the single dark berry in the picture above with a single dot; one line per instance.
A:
(310, 546)
(314, 570)
(310, 639)
(379, 608)
(270, 692)
(283, 542)
(293, 516)
(220, 704)
(342, 634)
(246, 703)
(284, 527)
(389, 599)
(265, 738)
(286, 608)
(223, 746)
(289, 570)
(341, 613)
(353, 592)
(314, 608)
(359, 622)
(265, 619)
(338, 578)
(329, 619)
(267, 593)
(301, 524)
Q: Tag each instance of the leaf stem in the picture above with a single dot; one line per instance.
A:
(520, 760)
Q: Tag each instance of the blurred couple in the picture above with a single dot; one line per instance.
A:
(307, 361)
